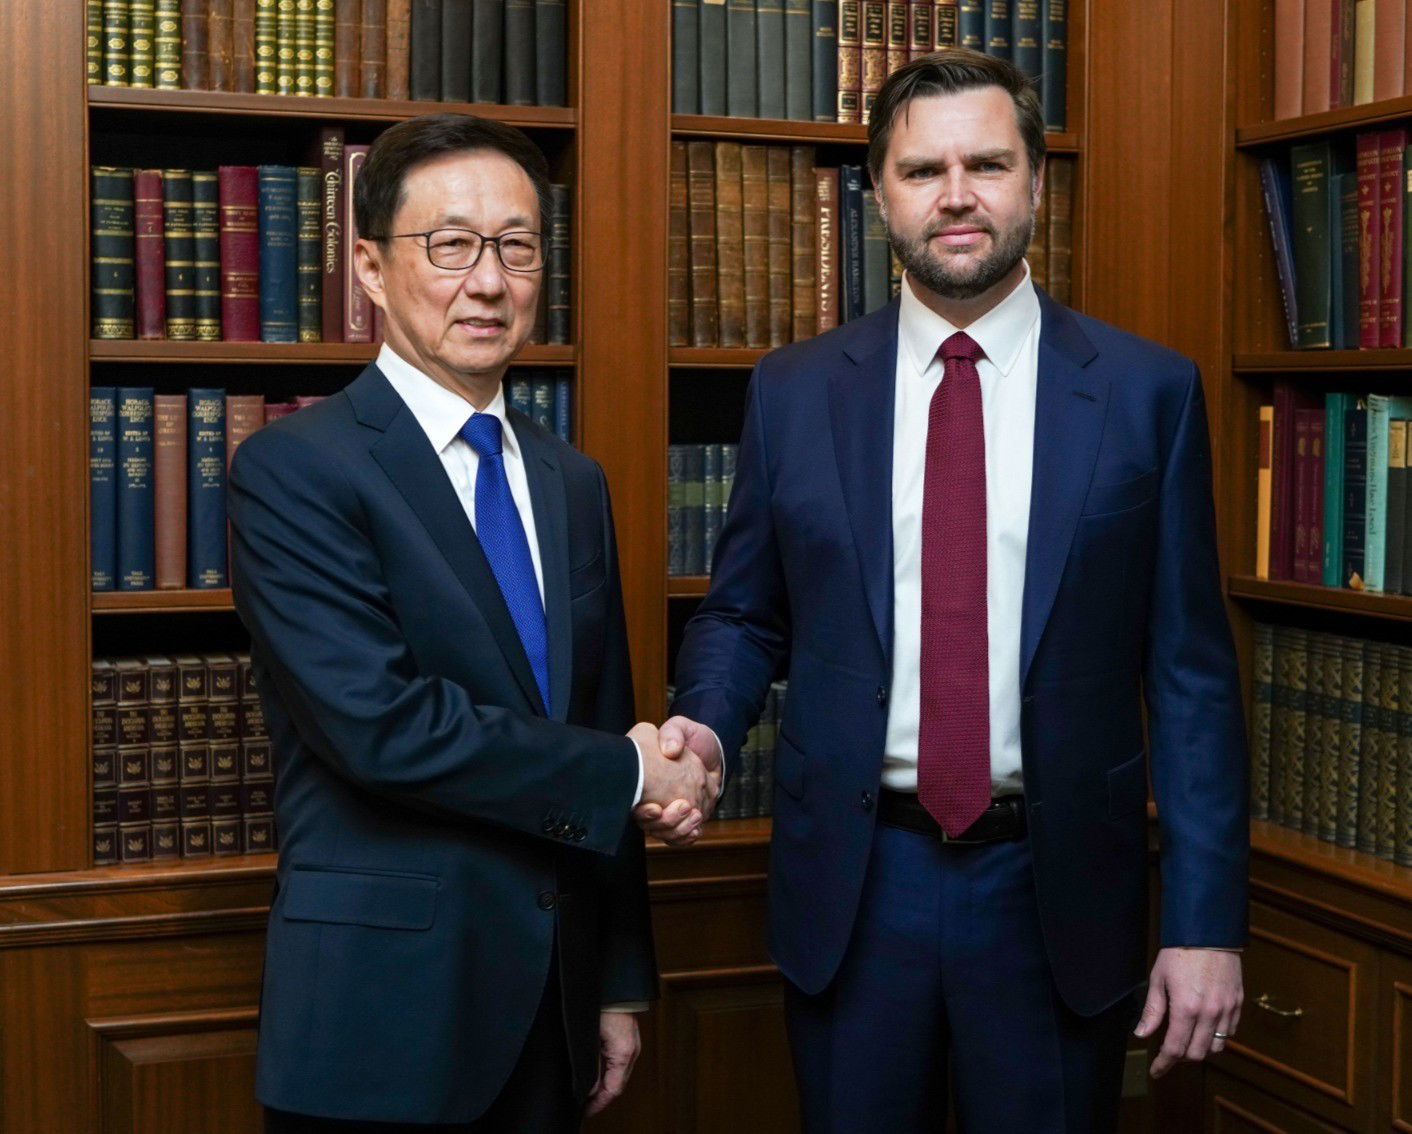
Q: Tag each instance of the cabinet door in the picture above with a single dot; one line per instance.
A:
(1234, 1107)
(1395, 1043)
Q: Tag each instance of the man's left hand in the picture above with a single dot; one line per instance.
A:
(619, 1045)
(1202, 988)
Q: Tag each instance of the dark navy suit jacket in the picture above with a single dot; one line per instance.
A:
(438, 823)
(1122, 605)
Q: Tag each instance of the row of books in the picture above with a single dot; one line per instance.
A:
(494, 51)
(254, 253)
(1332, 499)
(1051, 251)
(1337, 220)
(181, 759)
(157, 475)
(749, 793)
(699, 481)
(1335, 53)
(825, 60)
(1332, 738)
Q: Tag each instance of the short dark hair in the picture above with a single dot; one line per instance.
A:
(949, 71)
(378, 191)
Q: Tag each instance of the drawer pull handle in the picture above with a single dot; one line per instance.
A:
(1263, 1002)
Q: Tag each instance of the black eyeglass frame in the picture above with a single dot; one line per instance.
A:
(484, 242)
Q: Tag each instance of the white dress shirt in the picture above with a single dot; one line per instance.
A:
(1009, 336)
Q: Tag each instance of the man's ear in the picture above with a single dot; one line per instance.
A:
(1037, 189)
(367, 262)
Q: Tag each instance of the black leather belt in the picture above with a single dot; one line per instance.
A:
(1002, 821)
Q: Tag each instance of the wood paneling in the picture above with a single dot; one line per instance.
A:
(1232, 1107)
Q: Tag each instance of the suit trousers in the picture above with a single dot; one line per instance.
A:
(945, 984)
(538, 1098)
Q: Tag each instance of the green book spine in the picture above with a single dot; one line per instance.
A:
(180, 240)
(1371, 749)
(266, 47)
(323, 48)
(1350, 741)
(168, 45)
(1279, 722)
(142, 42)
(304, 48)
(116, 56)
(1331, 729)
(1381, 409)
(1391, 770)
(1260, 702)
(1311, 166)
(206, 228)
(113, 252)
(1314, 735)
(95, 41)
(1402, 853)
(1406, 246)
(285, 51)
(1335, 407)
(1298, 726)
(311, 234)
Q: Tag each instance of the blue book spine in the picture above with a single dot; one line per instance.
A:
(206, 489)
(877, 261)
(970, 24)
(851, 239)
(520, 393)
(563, 411)
(1274, 184)
(825, 62)
(711, 46)
(136, 498)
(1335, 407)
(542, 403)
(1355, 487)
(694, 510)
(997, 30)
(686, 57)
(279, 254)
(676, 510)
(799, 59)
(1026, 39)
(742, 90)
(1054, 83)
(102, 487)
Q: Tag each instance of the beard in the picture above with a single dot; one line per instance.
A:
(974, 275)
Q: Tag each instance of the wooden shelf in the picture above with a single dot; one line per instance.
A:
(228, 103)
(1347, 865)
(688, 586)
(162, 602)
(804, 133)
(1330, 121)
(164, 350)
(716, 358)
(1311, 597)
(1323, 361)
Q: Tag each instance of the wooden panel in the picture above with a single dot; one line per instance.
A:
(1233, 1107)
(1306, 1030)
(1315, 597)
(1395, 1044)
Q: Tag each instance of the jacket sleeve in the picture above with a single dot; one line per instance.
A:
(310, 588)
(1196, 724)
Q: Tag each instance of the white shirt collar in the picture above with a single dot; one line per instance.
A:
(440, 412)
(1000, 332)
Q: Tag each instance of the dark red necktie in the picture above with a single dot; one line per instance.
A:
(953, 748)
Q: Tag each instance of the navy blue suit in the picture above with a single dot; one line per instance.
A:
(1122, 606)
(440, 827)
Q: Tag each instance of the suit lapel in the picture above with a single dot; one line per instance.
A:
(1070, 407)
(551, 522)
(861, 391)
(406, 456)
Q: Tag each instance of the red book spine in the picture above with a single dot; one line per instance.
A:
(1392, 146)
(357, 308)
(1282, 477)
(1316, 495)
(331, 227)
(240, 252)
(169, 489)
(1369, 239)
(151, 255)
(1302, 501)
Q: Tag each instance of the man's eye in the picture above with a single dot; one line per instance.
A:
(452, 243)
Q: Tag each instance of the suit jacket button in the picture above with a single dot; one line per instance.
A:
(546, 899)
(882, 695)
(547, 826)
(580, 834)
(867, 801)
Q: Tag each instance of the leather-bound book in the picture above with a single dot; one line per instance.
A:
(997, 29)
(1027, 39)
(921, 36)
(286, 46)
(266, 46)
(770, 59)
(117, 57)
(333, 246)
(242, 45)
(824, 65)
(970, 24)
(399, 44)
(167, 54)
(701, 224)
(304, 48)
(325, 47)
(780, 231)
(487, 50)
(195, 72)
(1392, 147)
(559, 264)
(455, 48)
(686, 57)
(896, 34)
(134, 488)
(873, 54)
(799, 60)
(240, 253)
(206, 240)
(357, 307)
(150, 247)
(946, 28)
(730, 244)
(347, 49)
(112, 271)
(102, 486)
(206, 489)
(169, 478)
(221, 44)
(178, 221)
(755, 228)
(850, 242)
(374, 49)
(1054, 82)
(551, 53)
(742, 88)
(876, 259)
(850, 60)
(245, 413)
(1369, 169)
(803, 244)
(715, 68)
(826, 186)
(309, 243)
(519, 53)
(142, 43)
(279, 257)
(426, 24)
(95, 41)
(678, 251)
(1061, 227)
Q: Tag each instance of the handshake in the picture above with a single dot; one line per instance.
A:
(681, 779)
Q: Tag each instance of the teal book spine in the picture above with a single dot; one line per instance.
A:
(103, 517)
(136, 497)
(1381, 409)
(279, 254)
(1336, 405)
(206, 489)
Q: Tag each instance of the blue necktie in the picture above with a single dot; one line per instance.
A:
(502, 538)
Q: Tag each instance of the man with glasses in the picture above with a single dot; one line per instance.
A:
(460, 930)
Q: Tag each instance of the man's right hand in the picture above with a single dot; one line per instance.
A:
(677, 820)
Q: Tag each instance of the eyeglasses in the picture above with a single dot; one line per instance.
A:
(457, 249)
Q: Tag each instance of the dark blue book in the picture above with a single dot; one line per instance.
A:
(560, 249)
(542, 403)
(686, 57)
(563, 411)
(711, 479)
(206, 489)
(770, 59)
(711, 45)
(694, 510)
(676, 510)
(1026, 39)
(851, 239)
(825, 64)
(1346, 332)
(1355, 492)
(877, 259)
(1054, 84)
(136, 497)
(520, 394)
(997, 29)
(550, 38)
(799, 60)
(1274, 185)
(970, 24)
(487, 50)
(520, 60)
(742, 91)
(279, 254)
(102, 486)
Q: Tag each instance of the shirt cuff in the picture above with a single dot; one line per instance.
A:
(627, 1006)
(641, 773)
(721, 759)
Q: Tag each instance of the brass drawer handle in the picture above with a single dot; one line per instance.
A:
(1263, 1002)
